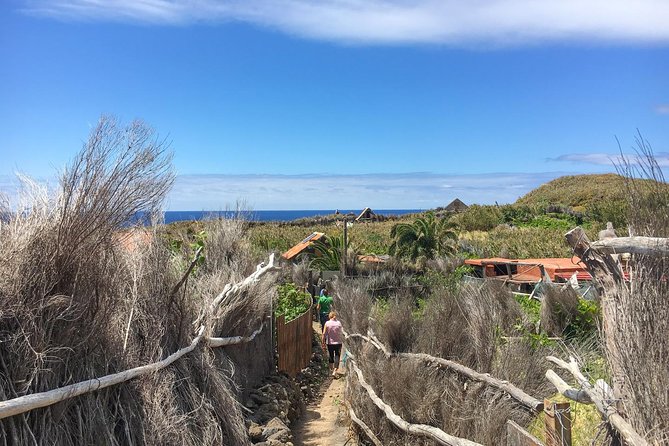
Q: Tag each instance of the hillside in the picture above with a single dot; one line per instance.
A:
(577, 191)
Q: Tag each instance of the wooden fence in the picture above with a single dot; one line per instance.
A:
(293, 341)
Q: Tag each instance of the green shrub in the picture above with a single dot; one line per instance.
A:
(478, 218)
(586, 320)
(531, 307)
(292, 301)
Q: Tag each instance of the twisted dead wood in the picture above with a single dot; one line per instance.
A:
(422, 430)
(608, 412)
(361, 424)
(505, 386)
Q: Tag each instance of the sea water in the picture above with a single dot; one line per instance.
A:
(276, 215)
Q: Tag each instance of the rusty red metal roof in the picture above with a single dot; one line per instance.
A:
(529, 270)
(304, 244)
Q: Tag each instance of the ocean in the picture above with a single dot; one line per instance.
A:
(172, 216)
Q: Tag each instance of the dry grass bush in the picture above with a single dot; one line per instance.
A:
(396, 324)
(353, 305)
(228, 259)
(559, 307)
(300, 273)
(74, 305)
(466, 325)
(429, 395)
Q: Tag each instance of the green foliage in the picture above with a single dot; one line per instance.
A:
(479, 218)
(586, 321)
(577, 190)
(432, 279)
(562, 222)
(292, 301)
(426, 237)
(516, 214)
(615, 211)
(536, 340)
(329, 252)
(586, 422)
(184, 248)
(531, 307)
(518, 243)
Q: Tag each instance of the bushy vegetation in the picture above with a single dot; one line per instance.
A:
(81, 296)
(426, 237)
(292, 301)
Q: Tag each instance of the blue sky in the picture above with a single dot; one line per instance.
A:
(292, 104)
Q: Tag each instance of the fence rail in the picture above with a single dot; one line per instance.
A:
(293, 341)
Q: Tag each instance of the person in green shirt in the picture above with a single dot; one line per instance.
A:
(323, 307)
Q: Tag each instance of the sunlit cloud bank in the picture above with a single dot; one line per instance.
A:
(610, 159)
(455, 22)
(381, 191)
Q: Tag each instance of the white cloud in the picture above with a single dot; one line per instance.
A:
(662, 109)
(381, 191)
(608, 159)
(454, 22)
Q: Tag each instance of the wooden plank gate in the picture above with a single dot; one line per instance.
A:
(293, 341)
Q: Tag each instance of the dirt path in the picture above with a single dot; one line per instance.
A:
(323, 422)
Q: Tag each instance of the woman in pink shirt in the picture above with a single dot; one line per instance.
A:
(333, 338)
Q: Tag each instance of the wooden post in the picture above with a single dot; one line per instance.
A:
(345, 246)
(557, 419)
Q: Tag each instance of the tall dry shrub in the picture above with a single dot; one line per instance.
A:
(636, 318)
(469, 325)
(466, 324)
(75, 305)
(559, 307)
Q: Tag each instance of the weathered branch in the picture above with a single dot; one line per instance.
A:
(608, 412)
(513, 391)
(189, 270)
(565, 389)
(603, 268)
(633, 245)
(221, 342)
(361, 424)
(29, 402)
(423, 430)
(505, 386)
(231, 290)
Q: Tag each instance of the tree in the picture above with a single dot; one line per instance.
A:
(428, 236)
(329, 252)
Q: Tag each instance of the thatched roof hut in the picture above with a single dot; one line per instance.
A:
(456, 206)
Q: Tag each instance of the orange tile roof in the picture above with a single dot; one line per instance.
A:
(304, 244)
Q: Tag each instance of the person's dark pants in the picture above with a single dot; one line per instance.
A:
(334, 350)
(324, 319)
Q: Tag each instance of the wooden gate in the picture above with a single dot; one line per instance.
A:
(294, 342)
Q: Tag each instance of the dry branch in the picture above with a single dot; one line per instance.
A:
(633, 245)
(221, 342)
(361, 424)
(608, 412)
(580, 396)
(423, 430)
(29, 402)
(230, 290)
(516, 393)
